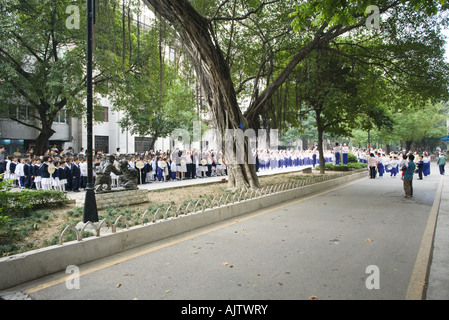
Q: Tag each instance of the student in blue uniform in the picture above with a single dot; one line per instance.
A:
(337, 150)
(27, 173)
(76, 175)
(420, 165)
(381, 165)
(12, 170)
(38, 175)
(160, 169)
(62, 176)
(68, 173)
(45, 181)
(33, 171)
(426, 166)
(344, 153)
(173, 169)
(55, 176)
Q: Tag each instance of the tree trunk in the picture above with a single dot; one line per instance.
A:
(46, 122)
(153, 142)
(408, 145)
(216, 84)
(45, 134)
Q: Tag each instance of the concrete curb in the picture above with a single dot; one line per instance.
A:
(438, 280)
(418, 281)
(34, 264)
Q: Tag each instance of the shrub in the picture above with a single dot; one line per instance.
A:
(352, 158)
(349, 167)
(21, 203)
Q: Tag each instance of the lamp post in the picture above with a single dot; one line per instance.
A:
(90, 204)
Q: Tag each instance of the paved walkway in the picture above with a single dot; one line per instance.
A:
(327, 245)
(198, 181)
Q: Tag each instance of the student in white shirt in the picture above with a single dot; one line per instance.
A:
(20, 174)
(153, 163)
(337, 151)
(173, 170)
(83, 169)
(394, 167)
(344, 152)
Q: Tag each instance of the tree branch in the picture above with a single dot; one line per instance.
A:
(30, 50)
(319, 38)
(16, 65)
(219, 8)
(25, 123)
(249, 13)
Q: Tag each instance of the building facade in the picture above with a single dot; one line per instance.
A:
(72, 132)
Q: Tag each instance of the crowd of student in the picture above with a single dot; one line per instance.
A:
(404, 164)
(68, 170)
(380, 163)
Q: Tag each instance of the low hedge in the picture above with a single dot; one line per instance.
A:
(348, 167)
(25, 201)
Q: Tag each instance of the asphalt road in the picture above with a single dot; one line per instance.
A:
(318, 246)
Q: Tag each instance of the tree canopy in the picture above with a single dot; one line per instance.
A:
(254, 47)
(258, 63)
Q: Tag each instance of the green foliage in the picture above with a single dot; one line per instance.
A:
(352, 158)
(76, 212)
(21, 203)
(348, 167)
(17, 228)
(43, 61)
(422, 123)
(4, 220)
(36, 67)
(350, 13)
(163, 97)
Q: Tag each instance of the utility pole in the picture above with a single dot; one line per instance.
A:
(90, 204)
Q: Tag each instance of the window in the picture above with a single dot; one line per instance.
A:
(141, 145)
(61, 117)
(102, 144)
(21, 113)
(12, 145)
(102, 114)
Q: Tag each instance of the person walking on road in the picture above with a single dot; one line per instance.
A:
(337, 151)
(420, 165)
(372, 165)
(409, 169)
(441, 163)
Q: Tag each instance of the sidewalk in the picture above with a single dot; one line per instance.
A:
(438, 282)
(156, 185)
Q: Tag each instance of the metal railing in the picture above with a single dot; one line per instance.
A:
(197, 206)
